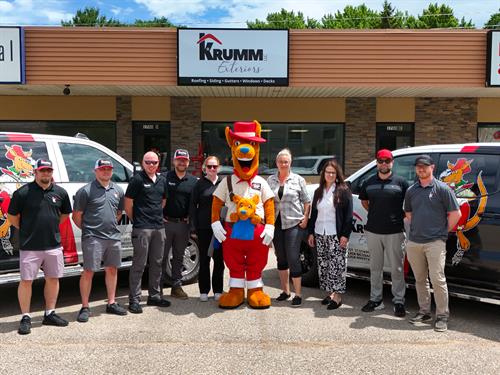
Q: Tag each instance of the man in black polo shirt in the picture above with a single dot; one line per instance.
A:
(382, 196)
(180, 185)
(144, 199)
(37, 209)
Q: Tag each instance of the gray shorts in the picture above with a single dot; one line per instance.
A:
(96, 250)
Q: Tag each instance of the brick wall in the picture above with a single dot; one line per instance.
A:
(445, 120)
(124, 127)
(185, 123)
(360, 127)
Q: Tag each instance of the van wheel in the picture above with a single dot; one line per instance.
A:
(191, 264)
(309, 265)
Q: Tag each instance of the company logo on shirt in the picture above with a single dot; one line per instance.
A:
(147, 185)
(256, 186)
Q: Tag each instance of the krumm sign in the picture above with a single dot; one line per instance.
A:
(213, 57)
(11, 55)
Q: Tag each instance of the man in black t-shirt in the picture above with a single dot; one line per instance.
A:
(37, 209)
(382, 196)
(144, 199)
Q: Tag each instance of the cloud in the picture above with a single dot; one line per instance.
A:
(33, 12)
(5, 6)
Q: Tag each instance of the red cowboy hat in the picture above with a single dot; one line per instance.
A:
(246, 131)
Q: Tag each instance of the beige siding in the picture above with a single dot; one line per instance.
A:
(488, 110)
(395, 110)
(58, 108)
(273, 110)
(152, 108)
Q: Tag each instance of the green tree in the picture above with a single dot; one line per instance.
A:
(155, 22)
(284, 20)
(438, 16)
(90, 16)
(390, 18)
(359, 17)
(494, 21)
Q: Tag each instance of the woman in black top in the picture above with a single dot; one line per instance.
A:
(200, 216)
(329, 230)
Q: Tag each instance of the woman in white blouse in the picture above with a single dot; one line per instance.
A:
(329, 229)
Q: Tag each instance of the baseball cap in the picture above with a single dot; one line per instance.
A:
(43, 164)
(384, 154)
(424, 159)
(181, 154)
(103, 163)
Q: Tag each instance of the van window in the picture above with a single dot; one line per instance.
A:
(80, 161)
(17, 160)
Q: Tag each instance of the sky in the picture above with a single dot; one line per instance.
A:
(217, 13)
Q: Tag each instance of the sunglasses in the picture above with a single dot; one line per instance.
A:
(150, 162)
(384, 161)
(212, 166)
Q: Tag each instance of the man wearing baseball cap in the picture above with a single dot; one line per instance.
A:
(382, 195)
(97, 212)
(180, 185)
(37, 209)
(432, 210)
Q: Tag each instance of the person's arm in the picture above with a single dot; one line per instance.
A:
(129, 207)
(65, 208)
(305, 220)
(77, 218)
(14, 220)
(453, 217)
(365, 204)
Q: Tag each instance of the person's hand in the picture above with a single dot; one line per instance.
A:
(310, 240)
(303, 223)
(267, 234)
(219, 231)
(343, 242)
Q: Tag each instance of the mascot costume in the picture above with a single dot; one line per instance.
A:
(249, 223)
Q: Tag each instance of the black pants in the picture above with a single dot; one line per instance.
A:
(204, 239)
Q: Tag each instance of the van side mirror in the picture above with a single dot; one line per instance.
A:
(137, 167)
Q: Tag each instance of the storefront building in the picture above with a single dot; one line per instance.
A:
(348, 93)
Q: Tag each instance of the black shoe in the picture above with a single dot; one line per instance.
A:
(25, 325)
(283, 297)
(296, 301)
(326, 300)
(160, 302)
(333, 305)
(372, 306)
(399, 310)
(83, 315)
(54, 320)
(421, 318)
(116, 309)
(135, 308)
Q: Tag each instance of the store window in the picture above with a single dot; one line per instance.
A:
(103, 132)
(310, 144)
(393, 136)
(152, 136)
(488, 132)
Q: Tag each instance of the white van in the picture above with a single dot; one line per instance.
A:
(473, 254)
(73, 159)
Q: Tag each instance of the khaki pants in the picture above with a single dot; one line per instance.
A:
(427, 260)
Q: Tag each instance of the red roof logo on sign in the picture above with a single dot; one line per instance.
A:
(209, 36)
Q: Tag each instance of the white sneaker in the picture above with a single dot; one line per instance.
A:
(203, 297)
(217, 296)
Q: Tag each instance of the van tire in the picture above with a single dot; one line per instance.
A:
(309, 264)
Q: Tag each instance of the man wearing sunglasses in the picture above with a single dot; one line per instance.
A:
(144, 201)
(382, 195)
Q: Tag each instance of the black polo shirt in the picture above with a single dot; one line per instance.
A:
(385, 213)
(147, 196)
(201, 201)
(40, 214)
(179, 194)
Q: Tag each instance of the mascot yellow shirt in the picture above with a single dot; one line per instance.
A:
(247, 189)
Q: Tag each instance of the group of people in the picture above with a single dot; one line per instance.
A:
(166, 209)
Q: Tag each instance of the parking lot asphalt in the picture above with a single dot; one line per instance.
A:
(198, 337)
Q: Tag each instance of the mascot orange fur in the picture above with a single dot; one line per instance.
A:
(245, 236)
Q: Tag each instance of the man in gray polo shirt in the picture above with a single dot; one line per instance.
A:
(432, 210)
(97, 212)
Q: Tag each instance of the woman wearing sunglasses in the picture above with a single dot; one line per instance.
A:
(200, 218)
(329, 229)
